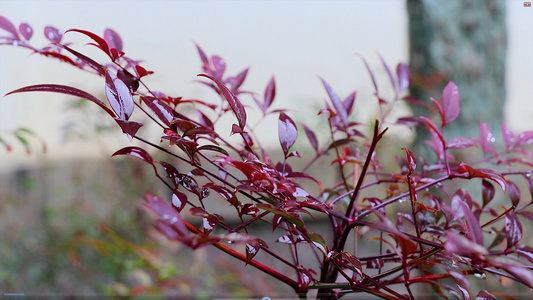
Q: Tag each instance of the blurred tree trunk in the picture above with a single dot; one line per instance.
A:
(463, 41)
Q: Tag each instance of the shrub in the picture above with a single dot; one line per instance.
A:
(449, 233)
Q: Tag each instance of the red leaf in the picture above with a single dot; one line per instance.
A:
(311, 137)
(433, 126)
(450, 102)
(53, 34)
(458, 244)
(526, 252)
(513, 229)
(62, 89)
(161, 109)
(411, 161)
(118, 95)
(233, 101)
(483, 173)
(26, 30)
(404, 77)
(335, 100)
(287, 132)
(113, 39)
(102, 44)
(9, 27)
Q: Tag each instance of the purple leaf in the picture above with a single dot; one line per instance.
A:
(526, 252)
(485, 295)
(62, 89)
(514, 193)
(130, 128)
(389, 73)
(118, 95)
(337, 103)
(404, 77)
(513, 229)
(233, 101)
(508, 136)
(236, 81)
(487, 138)
(460, 143)
(458, 244)
(349, 102)
(311, 137)
(435, 129)
(462, 283)
(168, 214)
(53, 34)
(270, 94)
(525, 138)
(113, 39)
(26, 31)
(136, 152)
(99, 68)
(371, 76)
(487, 192)
(160, 108)
(450, 102)
(219, 65)
(287, 132)
(440, 109)
(9, 27)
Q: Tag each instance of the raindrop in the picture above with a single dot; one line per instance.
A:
(402, 200)
(16, 43)
(205, 192)
(528, 174)
(173, 220)
(266, 298)
(251, 249)
(480, 275)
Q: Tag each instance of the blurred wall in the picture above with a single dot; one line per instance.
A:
(296, 41)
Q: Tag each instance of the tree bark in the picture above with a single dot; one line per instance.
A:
(462, 41)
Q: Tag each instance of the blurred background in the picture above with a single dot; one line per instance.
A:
(70, 222)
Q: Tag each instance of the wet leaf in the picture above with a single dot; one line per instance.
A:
(26, 31)
(130, 128)
(508, 136)
(179, 199)
(486, 138)
(460, 143)
(53, 34)
(118, 95)
(287, 132)
(96, 66)
(525, 138)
